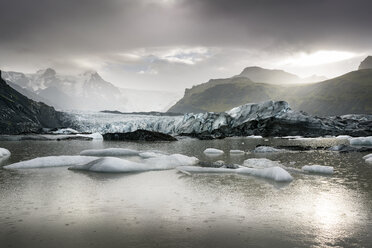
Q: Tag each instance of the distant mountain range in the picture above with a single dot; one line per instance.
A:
(87, 91)
(20, 114)
(349, 93)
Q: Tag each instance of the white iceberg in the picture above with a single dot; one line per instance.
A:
(276, 173)
(4, 153)
(368, 156)
(117, 165)
(51, 161)
(110, 152)
(213, 151)
(237, 152)
(369, 160)
(254, 137)
(260, 163)
(343, 137)
(150, 154)
(94, 136)
(66, 131)
(266, 149)
(318, 169)
(361, 141)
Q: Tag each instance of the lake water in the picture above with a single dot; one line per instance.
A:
(56, 207)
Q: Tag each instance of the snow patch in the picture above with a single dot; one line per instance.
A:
(318, 169)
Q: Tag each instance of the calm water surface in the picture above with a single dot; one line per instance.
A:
(55, 207)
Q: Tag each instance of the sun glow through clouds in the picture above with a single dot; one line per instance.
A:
(318, 58)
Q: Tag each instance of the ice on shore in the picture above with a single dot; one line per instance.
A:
(213, 151)
(266, 149)
(260, 163)
(318, 169)
(110, 152)
(237, 152)
(4, 152)
(51, 161)
(361, 141)
(117, 165)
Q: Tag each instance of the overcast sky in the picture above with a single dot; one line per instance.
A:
(173, 44)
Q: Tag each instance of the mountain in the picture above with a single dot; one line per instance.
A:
(87, 91)
(366, 64)
(349, 93)
(258, 74)
(20, 114)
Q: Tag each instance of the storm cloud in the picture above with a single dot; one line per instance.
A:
(164, 43)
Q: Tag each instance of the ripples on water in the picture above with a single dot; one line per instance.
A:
(55, 207)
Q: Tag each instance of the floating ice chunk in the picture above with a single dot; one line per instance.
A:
(260, 163)
(254, 137)
(318, 169)
(237, 152)
(66, 131)
(4, 152)
(94, 136)
(368, 156)
(276, 173)
(116, 165)
(343, 137)
(266, 149)
(51, 161)
(213, 151)
(369, 160)
(150, 154)
(198, 169)
(110, 152)
(361, 141)
(170, 161)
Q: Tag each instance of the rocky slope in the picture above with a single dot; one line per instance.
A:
(19, 114)
(349, 93)
(366, 64)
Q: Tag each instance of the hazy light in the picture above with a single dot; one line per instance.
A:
(318, 58)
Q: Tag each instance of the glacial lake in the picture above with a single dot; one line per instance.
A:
(57, 207)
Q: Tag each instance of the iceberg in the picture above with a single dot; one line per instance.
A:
(66, 131)
(274, 173)
(260, 163)
(51, 161)
(94, 136)
(237, 152)
(367, 156)
(254, 137)
(213, 151)
(110, 152)
(4, 153)
(118, 165)
(266, 149)
(361, 141)
(318, 169)
(151, 154)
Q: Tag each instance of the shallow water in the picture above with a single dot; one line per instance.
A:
(56, 207)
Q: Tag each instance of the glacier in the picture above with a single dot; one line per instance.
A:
(270, 118)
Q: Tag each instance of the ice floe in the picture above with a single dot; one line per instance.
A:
(237, 152)
(213, 151)
(274, 173)
(117, 165)
(51, 161)
(94, 136)
(4, 152)
(266, 149)
(254, 137)
(318, 169)
(260, 163)
(361, 141)
(110, 152)
(367, 156)
(66, 131)
(150, 154)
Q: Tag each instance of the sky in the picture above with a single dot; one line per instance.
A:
(174, 44)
